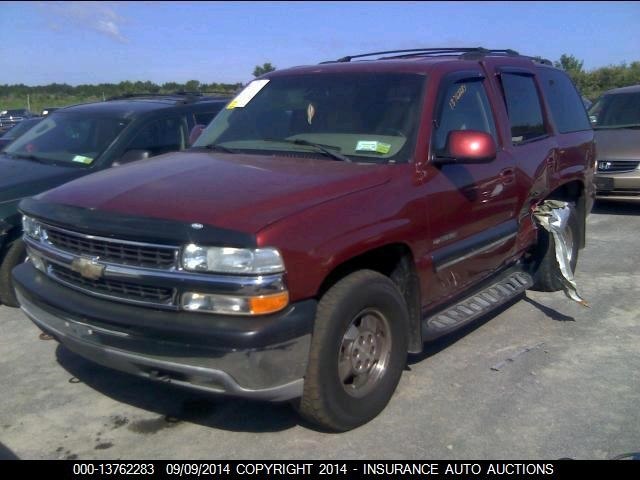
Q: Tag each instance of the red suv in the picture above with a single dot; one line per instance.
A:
(331, 219)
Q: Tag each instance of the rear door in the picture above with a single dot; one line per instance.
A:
(530, 139)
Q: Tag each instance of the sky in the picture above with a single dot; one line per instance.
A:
(96, 42)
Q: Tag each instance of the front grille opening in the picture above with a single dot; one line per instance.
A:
(114, 288)
(114, 252)
(617, 166)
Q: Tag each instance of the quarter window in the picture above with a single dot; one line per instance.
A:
(523, 107)
(566, 106)
(465, 106)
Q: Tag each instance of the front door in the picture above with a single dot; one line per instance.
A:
(472, 207)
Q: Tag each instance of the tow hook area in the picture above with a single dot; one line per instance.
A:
(553, 216)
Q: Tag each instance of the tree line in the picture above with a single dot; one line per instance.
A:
(594, 83)
(591, 84)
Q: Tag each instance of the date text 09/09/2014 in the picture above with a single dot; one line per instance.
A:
(315, 468)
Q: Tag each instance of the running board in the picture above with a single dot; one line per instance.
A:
(506, 287)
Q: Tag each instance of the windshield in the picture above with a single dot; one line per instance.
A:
(364, 116)
(67, 138)
(616, 110)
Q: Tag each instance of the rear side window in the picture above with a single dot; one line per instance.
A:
(566, 105)
(160, 136)
(523, 107)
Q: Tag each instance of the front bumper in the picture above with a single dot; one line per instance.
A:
(262, 357)
(618, 184)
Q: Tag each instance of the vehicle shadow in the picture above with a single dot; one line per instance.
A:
(174, 404)
(549, 312)
(7, 454)
(617, 206)
(436, 346)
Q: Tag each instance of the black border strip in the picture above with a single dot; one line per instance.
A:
(474, 244)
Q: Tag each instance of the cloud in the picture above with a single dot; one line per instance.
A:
(99, 17)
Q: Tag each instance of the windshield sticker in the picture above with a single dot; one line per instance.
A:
(246, 95)
(373, 146)
(455, 98)
(82, 159)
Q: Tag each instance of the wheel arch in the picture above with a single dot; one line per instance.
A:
(395, 261)
(574, 191)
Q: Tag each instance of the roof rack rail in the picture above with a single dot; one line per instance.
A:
(466, 53)
(181, 95)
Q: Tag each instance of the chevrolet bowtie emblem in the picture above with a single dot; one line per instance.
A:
(88, 268)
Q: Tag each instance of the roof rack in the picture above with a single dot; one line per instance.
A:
(466, 53)
(185, 97)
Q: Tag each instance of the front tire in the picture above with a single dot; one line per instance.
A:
(16, 254)
(358, 351)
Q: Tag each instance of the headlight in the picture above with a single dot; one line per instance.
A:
(31, 227)
(232, 305)
(258, 261)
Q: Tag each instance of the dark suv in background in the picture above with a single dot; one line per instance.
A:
(78, 140)
(10, 118)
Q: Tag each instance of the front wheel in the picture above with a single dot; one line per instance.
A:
(16, 254)
(358, 351)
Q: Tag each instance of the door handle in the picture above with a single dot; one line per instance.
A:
(507, 175)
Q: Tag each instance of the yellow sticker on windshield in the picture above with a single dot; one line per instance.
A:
(373, 146)
(82, 159)
(246, 95)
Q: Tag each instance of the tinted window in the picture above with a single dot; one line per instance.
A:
(68, 137)
(366, 116)
(523, 107)
(566, 105)
(617, 110)
(204, 118)
(465, 106)
(160, 136)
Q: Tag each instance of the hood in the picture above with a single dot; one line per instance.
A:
(618, 144)
(21, 178)
(238, 192)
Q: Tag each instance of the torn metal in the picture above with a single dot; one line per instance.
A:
(553, 216)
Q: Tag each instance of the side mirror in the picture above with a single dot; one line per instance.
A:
(196, 131)
(132, 156)
(468, 146)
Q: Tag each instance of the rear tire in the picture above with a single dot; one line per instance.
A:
(358, 351)
(16, 254)
(547, 275)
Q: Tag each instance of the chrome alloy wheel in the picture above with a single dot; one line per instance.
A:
(364, 353)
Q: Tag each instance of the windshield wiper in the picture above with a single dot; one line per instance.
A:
(26, 157)
(219, 148)
(318, 146)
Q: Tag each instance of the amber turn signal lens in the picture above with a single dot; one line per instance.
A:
(268, 303)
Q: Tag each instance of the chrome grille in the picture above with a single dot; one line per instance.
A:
(114, 251)
(113, 288)
(617, 166)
